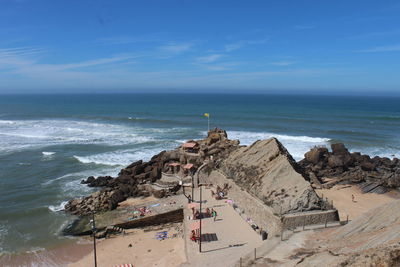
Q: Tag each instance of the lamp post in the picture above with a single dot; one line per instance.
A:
(192, 187)
(94, 239)
(201, 215)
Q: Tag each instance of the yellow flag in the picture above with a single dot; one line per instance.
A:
(206, 115)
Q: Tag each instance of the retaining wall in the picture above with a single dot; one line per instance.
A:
(168, 217)
(251, 207)
(293, 220)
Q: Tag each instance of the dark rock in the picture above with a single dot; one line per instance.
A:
(99, 181)
(315, 154)
(378, 174)
(339, 149)
(134, 164)
(89, 180)
(367, 166)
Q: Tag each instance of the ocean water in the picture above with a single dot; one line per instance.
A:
(49, 143)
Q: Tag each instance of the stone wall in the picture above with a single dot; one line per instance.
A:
(253, 208)
(290, 221)
(168, 217)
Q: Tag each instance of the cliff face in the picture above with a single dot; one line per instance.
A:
(267, 171)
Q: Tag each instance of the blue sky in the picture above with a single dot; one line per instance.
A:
(222, 46)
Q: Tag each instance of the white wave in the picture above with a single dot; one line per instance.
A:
(23, 134)
(296, 145)
(121, 157)
(78, 176)
(382, 152)
(24, 164)
(45, 153)
(59, 207)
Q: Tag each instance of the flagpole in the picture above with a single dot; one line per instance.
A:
(208, 123)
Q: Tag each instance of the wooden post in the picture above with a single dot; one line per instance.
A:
(282, 234)
(326, 220)
(304, 222)
(255, 254)
(240, 263)
(347, 219)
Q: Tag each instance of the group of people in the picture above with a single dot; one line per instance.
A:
(209, 213)
(221, 192)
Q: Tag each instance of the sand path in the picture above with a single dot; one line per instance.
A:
(342, 200)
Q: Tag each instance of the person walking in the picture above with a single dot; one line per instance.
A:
(214, 214)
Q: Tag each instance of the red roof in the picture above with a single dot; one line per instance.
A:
(188, 166)
(174, 164)
(189, 145)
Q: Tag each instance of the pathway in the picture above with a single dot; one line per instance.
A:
(235, 236)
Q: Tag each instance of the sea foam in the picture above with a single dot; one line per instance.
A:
(45, 153)
(59, 207)
(24, 134)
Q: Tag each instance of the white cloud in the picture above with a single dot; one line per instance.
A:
(174, 48)
(209, 58)
(234, 46)
(283, 63)
(387, 48)
(237, 45)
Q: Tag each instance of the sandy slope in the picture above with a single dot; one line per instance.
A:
(342, 200)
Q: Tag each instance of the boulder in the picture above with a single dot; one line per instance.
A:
(339, 149)
(315, 154)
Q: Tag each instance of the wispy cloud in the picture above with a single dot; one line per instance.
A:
(122, 40)
(25, 61)
(304, 27)
(387, 48)
(375, 34)
(174, 48)
(283, 63)
(225, 66)
(239, 44)
(19, 51)
(209, 58)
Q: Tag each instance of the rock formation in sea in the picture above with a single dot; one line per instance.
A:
(327, 168)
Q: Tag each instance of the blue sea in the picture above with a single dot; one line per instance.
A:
(49, 143)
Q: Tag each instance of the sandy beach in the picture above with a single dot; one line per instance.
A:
(140, 248)
(341, 195)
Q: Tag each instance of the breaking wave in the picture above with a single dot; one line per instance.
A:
(296, 145)
(122, 157)
(59, 207)
(45, 153)
(24, 134)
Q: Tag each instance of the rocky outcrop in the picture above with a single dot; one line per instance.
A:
(143, 178)
(375, 174)
(267, 171)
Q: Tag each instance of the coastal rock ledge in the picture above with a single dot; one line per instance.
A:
(327, 168)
